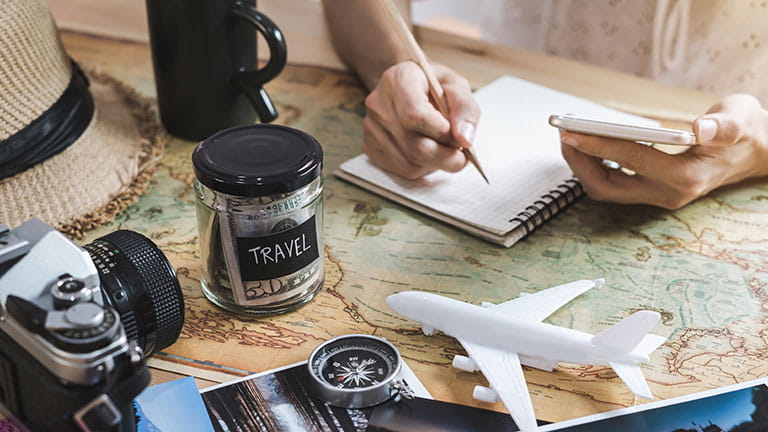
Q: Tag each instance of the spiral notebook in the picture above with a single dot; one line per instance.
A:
(530, 182)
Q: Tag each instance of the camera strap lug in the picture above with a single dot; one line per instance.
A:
(100, 414)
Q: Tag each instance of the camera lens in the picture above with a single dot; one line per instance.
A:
(140, 283)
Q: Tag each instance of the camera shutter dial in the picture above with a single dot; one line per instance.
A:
(80, 328)
(94, 327)
(85, 315)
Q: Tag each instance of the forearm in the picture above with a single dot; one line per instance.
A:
(363, 38)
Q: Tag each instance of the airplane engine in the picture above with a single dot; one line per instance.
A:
(464, 363)
(485, 394)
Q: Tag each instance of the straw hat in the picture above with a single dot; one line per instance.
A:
(72, 154)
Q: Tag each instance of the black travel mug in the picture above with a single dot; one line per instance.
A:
(206, 68)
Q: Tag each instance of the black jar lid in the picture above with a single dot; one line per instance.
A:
(258, 159)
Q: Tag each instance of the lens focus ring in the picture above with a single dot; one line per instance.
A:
(138, 261)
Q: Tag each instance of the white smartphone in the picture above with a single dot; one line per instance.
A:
(621, 131)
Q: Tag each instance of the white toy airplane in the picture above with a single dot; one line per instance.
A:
(499, 338)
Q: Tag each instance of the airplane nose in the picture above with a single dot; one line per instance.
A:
(397, 302)
(406, 303)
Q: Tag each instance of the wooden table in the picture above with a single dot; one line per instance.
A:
(480, 62)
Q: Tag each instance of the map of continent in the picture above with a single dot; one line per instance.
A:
(704, 268)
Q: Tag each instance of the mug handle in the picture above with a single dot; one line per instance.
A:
(251, 81)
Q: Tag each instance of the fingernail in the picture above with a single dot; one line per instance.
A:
(467, 130)
(567, 139)
(707, 130)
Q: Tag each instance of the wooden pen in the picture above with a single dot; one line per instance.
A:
(435, 89)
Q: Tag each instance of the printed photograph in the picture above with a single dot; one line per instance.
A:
(428, 415)
(278, 402)
(174, 406)
(743, 410)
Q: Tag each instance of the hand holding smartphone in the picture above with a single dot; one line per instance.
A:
(620, 131)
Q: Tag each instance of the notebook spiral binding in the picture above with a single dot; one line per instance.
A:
(549, 205)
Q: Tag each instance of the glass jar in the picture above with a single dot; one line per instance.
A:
(260, 217)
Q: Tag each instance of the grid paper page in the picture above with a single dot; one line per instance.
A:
(518, 149)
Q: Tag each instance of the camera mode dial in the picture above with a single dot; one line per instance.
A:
(68, 291)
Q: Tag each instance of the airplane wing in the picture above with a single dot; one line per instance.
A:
(536, 307)
(504, 373)
(633, 377)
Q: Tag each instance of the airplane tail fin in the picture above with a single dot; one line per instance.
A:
(631, 333)
(649, 344)
(633, 377)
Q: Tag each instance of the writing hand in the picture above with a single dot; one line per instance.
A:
(733, 146)
(405, 134)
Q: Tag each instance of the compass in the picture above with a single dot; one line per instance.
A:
(356, 371)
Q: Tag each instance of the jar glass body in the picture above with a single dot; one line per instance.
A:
(261, 255)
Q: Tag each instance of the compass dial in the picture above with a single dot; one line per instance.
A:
(354, 368)
(355, 362)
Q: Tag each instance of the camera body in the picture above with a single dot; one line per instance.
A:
(75, 325)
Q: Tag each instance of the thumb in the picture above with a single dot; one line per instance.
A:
(464, 112)
(728, 121)
(721, 129)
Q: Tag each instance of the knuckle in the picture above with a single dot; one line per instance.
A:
(418, 152)
(370, 100)
(390, 74)
(414, 117)
(399, 73)
(373, 102)
(730, 130)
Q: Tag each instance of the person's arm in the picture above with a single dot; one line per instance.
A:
(733, 146)
(403, 132)
(362, 37)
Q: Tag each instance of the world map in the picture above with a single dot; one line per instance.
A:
(704, 268)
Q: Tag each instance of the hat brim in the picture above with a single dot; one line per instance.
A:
(98, 176)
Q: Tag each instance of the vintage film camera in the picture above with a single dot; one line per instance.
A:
(76, 323)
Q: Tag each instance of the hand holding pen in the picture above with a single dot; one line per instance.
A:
(406, 134)
(404, 130)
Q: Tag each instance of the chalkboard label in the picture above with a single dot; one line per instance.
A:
(279, 254)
